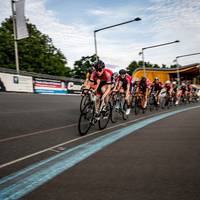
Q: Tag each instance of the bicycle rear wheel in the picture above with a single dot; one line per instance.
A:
(115, 112)
(86, 119)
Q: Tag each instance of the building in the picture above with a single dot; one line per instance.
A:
(188, 72)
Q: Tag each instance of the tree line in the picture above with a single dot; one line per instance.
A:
(38, 54)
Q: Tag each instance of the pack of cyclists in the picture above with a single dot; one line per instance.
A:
(103, 82)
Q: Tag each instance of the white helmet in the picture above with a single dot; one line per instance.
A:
(183, 84)
(174, 82)
(137, 79)
(167, 82)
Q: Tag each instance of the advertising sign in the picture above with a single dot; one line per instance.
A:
(17, 83)
(46, 86)
(74, 87)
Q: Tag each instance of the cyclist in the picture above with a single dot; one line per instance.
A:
(101, 78)
(143, 89)
(168, 88)
(189, 91)
(183, 89)
(86, 84)
(156, 87)
(124, 86)
(114, 79)
(135, 85)
(175, 92)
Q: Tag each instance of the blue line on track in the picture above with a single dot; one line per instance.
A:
(18, 184)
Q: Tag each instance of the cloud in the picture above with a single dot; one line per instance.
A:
(162, 21)
(98, 12)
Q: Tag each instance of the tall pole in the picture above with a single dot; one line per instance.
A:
(108, 27)
(149, 47)
(177, 71)
(143, 63)
(95, 43)
(15, 35)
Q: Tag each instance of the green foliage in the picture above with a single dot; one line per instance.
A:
(36, 53)
(81, 66)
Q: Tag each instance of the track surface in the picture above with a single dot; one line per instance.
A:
(159, 161)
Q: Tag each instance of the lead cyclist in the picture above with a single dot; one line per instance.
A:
(103, 79)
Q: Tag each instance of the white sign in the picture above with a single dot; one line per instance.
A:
(72, 86)
(22, 31)
(17, 83)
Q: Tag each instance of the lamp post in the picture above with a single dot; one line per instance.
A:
(15, 35)
(149, 47)
(178, 66)
(108, 27)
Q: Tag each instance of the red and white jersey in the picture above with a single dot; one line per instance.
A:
(125, 81)
(105, 77)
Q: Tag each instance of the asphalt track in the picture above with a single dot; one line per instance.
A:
(152, 160)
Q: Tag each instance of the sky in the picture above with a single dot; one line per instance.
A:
(70, 24)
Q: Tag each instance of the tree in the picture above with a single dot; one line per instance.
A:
(81, 66)
(132, 67)
(36, 53)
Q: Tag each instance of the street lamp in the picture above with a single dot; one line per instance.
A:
(149, 47)
(176, 61)
(108, 27)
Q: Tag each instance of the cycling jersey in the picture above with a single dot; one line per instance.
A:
(124, 81)
(168, 87)
(183, 89)
(143, 87)
(105, 78)
(189, 88)
(156, 87)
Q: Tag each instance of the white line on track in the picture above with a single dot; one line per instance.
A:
(74, 140)
(70, 141)
(36, 133)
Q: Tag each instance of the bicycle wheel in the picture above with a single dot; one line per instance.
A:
(105, 116)
(84, 100)
(115, 112)
(86, 119)
(124, 116)
(136, 106)
(151, 103)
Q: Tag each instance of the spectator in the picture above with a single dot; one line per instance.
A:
(2, 86)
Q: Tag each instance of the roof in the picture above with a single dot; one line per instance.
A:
(191, 67)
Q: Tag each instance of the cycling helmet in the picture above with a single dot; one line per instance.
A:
(143, 79)
(99, 65)
(167, 82)
(156, 78)
(174, 82)
(137, 80)
(122, 71)
(183, 84)
(115, 74)
(89, 70)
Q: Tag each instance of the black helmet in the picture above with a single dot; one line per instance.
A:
(143, 79)
(99, 65)
(122, 71)
(89, 70)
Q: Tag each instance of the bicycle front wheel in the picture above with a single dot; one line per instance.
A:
(105, 116)
(86, 119)
(84, 100)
